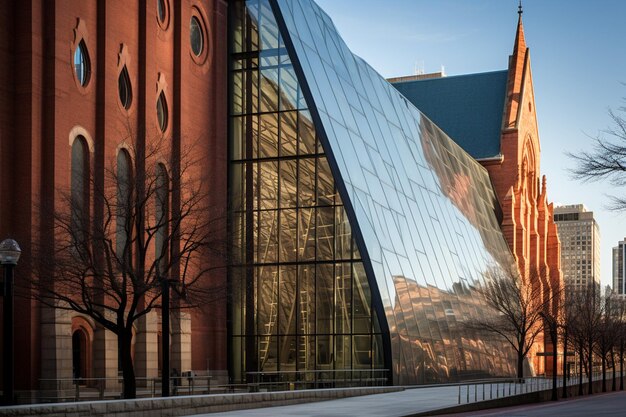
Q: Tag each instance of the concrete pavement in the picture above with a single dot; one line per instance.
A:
(393, 404)
(608, 404)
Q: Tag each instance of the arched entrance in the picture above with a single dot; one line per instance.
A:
(82, 339)
(79, 354)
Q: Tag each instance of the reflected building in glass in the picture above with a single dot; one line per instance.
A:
(360, 230)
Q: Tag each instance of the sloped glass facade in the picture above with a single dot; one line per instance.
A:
(360, 230)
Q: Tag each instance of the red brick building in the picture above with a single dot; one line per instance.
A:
(102, 77)
(492, 116)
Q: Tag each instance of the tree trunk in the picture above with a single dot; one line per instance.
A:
(621, 365)
(603, 371)
(614, 383)
(580, 368)
(124, 343)
(565, 364)
(520, 362)
(590, 365)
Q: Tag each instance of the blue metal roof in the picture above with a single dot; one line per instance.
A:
(467, 107)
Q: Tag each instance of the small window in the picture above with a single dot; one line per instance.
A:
(196, 36)
(124, 88)
(81, 63)
(163, 13)
(162, 112)
(161, 10)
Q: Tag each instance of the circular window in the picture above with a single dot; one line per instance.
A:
(124, 89)
(196, 36)
(81, 63)
(162, 112)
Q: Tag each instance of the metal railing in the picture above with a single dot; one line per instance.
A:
(327, 378)
(89, 389)
(489, 389)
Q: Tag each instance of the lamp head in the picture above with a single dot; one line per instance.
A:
(9, 252)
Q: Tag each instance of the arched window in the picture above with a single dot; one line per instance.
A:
(124, 88)
(162, 114)
(79, 194)
(162, 216)
(124, 207)
(82, 64)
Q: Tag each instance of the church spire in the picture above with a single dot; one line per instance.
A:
(520, 41)
(517, 63)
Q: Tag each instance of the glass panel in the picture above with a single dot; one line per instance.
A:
(268, 185)
(269, 90)
(288, 178)
(325, 183)
(288, 133)
(266, 236)
(196, 38)
(306, 182)
(288, 301)
(81, 63)
(288, 235)
(343, 296)
(306, 234)
(325, 233)
(324, 292)
(268, 133)
(307, 133)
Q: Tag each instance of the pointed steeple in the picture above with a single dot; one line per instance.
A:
(517, 62)
(520, 41)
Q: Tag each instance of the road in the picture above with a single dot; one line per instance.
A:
(610, 404)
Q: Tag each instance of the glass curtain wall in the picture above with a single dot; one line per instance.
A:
(423, 210)
(301, 305)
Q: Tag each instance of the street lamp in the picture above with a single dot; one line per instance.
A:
(9, 255)
(165, 337)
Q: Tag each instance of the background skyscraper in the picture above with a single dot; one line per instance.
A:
(580, 245)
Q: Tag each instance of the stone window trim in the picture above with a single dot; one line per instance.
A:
(81, 35)
(77, 131)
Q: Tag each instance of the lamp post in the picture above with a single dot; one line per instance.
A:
(165, 338)
(9, 255)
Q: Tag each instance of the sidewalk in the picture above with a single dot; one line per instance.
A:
(412, 401)
(403, 403)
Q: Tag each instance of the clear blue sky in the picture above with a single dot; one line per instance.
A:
(578, 58)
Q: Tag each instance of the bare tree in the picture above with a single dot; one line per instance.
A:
(607, 158)
(585, 316)
(519, 306)
(607, 334)
(156, 224)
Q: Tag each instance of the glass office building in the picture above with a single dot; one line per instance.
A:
(360, 230)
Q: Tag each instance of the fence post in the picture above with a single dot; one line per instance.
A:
(77, 390)
(467, 392)
(459, 394)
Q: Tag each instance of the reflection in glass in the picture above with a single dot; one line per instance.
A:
(425, 210)
(82, 64)
(196, 38)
